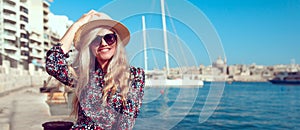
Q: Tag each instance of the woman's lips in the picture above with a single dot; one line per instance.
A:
(103, 49)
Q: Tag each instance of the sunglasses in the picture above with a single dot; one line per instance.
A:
(108, 38)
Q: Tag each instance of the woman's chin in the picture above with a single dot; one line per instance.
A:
(104, 57)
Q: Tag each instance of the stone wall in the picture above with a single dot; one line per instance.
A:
(12, 82)
(16, 78)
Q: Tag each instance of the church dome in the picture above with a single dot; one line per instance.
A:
(219, 63)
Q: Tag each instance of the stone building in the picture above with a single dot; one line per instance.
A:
(221, 66)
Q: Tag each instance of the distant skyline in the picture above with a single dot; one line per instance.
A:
(265, 32)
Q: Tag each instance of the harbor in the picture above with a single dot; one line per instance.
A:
(24, 105)
(208, 65)
(238, 108)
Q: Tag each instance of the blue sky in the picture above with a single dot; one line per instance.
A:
(265, 32)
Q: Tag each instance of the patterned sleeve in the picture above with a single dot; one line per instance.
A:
(134, 101)
(57, 65)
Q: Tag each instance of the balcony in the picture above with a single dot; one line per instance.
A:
(9, 7)
(10, 2)
(24, 49)
(24, 57)
(36, 55)
(36, 47)
(46, 4)
(46, 42)
(10, 37)
(35, 39)
(46, 19)
(24, 13)
(23, 22)
(11, 18)
(47, 45)
(53, 43)
(9, 46)
(10, 27)
(46, 11)
(46, 48)
(25, 44)
(32, 45)
(54, 37)
(23, 39)
(23, 31)
(23, 1)
(46, 27)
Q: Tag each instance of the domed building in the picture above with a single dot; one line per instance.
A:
(220, 64)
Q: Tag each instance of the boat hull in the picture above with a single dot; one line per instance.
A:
(175, 82)
(285, 82)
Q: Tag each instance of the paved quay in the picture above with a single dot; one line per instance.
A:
(26, 109)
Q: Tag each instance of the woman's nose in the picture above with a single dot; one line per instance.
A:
(103, 42)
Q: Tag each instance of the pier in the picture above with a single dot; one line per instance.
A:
(26, 109)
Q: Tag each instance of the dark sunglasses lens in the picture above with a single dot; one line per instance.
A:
(97, 41)
(110, 38)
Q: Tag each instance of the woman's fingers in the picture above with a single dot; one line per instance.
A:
(86, 17)
(97, 13)
(92, 11)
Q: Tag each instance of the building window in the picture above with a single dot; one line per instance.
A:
(22, 26)
(23, 18)
(24, 53)
(23, 9)
(46, 36)
(24, 36)
(24, 44)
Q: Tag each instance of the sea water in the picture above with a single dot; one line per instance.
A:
(242, 105)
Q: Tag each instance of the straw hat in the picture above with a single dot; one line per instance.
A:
(102, 21)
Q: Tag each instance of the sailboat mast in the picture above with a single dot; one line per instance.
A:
(162, 2)
(145, 44)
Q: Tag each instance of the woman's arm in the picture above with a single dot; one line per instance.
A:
(56, 63)
(134, 103)
(68, 37)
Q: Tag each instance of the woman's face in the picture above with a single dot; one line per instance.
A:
(104, 45)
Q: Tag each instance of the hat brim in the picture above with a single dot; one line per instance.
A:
(120, 29)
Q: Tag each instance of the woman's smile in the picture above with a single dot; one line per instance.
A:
(103, 49)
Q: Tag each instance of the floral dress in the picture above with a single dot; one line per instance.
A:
(92, 114)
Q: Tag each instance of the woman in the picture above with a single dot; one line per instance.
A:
(108, 92)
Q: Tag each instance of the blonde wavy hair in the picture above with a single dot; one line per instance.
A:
(117, 71)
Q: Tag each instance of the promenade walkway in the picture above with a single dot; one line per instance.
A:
(26, 109)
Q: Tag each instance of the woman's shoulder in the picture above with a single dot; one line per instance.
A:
(137, 72)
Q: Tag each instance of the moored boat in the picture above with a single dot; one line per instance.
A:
(286, 78)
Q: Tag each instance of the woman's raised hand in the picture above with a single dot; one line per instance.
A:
(86, 18)
(68, 37)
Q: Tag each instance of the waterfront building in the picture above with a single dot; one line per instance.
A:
(39, 32)
(13, 32)
(245, 70)
(21, 41)
(25, 34)
(256, 69)
(221, 65)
